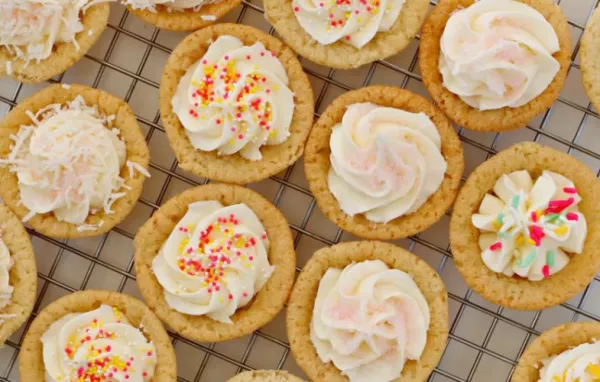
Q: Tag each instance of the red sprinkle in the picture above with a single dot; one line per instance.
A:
(296, 9)
(570, 190)
(537, 234)
(546, 271)
(572, 216)
(496, 246)
(557, 206)
(534, 217)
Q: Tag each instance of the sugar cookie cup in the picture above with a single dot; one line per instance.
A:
(186, 20)
(267, 302)
(302, 301)
(128, 130)
(22, 274)
(590, 56)
(317, 164)
(233, 168)
(64, 54)
(505, 118)
(551, 343)
(265, 376)
(340, 55)
(514, 292)
(31, 360)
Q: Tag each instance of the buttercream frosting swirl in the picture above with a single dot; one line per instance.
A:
(355, 22)
(385, 162)
(235, 99)
(100, 345)
(530, 229)
(579, 364)
(29, 29)
(368, 320)
(68, 162)
(214, 261)
(498, 53)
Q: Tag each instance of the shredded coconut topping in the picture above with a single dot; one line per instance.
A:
(29, 29)
(171, 5)
(68, 162)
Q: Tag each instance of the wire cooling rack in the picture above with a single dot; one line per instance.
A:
(485, 340)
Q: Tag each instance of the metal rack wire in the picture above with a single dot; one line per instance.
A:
(485, 340)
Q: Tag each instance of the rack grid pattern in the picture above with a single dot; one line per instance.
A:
(485, 340)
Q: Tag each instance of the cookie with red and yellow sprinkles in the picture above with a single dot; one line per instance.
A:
(97, 336)
(215, 262)
(236, 104)
(525, 228)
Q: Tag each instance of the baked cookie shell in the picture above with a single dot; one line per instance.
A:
(302, 301)
(506, 118)
(233, 168)
(553, 342)
(265, 376)
(340, 55)
(31, 362)
(317, 164)
(64, 55)
(129, 130)
(512, 292)
(22, 275)
(265, 305)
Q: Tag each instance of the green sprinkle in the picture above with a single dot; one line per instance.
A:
(528, 260)
(553, 217)
(550, 258)
(503, 235)
(515, 202)
(500, 218)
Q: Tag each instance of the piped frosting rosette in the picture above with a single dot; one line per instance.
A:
(97, 345)
(530, 229)
(498, 53)
(579, 364)
(368, 320)
(235, 99)
(355, 22)
(215, 260)
(385, 162)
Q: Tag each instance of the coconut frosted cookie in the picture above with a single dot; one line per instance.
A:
(40, 39)
(367, 311)
(346, 34)
(566, 353)
(76, 160)
(97, 336)
(495, 65)
(180, 15)
(18, 275)
(383, 163)
(216, 262)
(524, 230)
(235, 103)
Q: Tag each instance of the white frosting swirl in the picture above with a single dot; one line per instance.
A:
(29, 29)
(580, 364)
(385, 162)
(235, 99)
(100, 343)
(355, 22)
(368, 320)
(214, 261)
(69, 162)
(6, 263)
(498, 53)
(178, 5)
(529, 229)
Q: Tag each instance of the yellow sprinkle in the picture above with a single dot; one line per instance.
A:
(496, 224)
(594, 370)
(561, 230)
(531, 241)
(221, 299)
(520, 240)
(538, 213)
